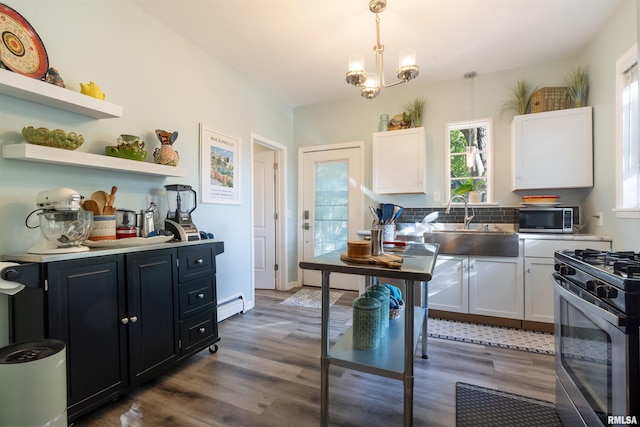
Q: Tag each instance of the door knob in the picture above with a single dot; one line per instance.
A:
(306, 226)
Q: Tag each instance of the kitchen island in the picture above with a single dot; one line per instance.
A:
(394, 357)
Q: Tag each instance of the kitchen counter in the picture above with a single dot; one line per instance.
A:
(556, 236)
(101, 251)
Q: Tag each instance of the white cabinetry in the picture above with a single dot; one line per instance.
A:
(399, 162)
(553, 149)
(449, 287)
(489, 286)
(538, 266)
(496, 287)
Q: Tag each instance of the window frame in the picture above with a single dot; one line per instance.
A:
(622, 64)
(467, 124)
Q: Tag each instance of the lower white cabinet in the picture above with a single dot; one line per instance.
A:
(449, 286)
(490, 286)
(496, 287)
(538, 267)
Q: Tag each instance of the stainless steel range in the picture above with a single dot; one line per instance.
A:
(597, 306)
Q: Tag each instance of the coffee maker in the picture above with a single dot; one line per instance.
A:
(181, 200)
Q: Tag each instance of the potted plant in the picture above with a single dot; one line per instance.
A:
(472, 188)
(577, 83)
(520, 97)
(414, 110)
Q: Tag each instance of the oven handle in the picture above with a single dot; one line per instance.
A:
(590, 308)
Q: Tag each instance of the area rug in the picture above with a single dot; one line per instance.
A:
(484, 407)
(311, 298)
(496, 336)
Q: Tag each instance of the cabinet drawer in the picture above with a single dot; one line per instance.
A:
(544, 248)
(199, 331)
(196, 296)
(195, 262)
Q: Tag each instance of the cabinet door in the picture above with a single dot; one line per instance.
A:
(449, 287)
(85, 306)
(553, 149)
(538, 290)
(399, 162)
(152, 311)
(496, 287)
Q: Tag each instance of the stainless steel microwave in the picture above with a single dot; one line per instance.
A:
(544, 220)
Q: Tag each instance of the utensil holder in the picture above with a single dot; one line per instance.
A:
(104, 228)
(376, 242)
(389, 233)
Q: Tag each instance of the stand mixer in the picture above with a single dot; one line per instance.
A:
(64, 226)
(182, 201)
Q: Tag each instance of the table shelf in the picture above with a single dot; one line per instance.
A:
(386, 360)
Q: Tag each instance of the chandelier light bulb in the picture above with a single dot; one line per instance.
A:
(407, 58)
(356, 62)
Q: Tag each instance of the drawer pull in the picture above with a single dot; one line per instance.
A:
(199, 261)
(202, 330)
(200, 296)
(133, 319)
(124, 320)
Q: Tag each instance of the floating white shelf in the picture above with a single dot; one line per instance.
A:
(37, 153)
(29, 89)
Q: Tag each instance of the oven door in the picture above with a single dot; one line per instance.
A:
(591, 358)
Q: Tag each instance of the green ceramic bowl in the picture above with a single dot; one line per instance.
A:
(131, 153)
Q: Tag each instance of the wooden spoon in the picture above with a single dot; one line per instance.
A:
(100, 197)
(112, 196)
(91, 206)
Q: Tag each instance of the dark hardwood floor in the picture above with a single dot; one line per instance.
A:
(267, 373)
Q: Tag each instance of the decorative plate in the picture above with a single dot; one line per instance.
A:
(21, 49)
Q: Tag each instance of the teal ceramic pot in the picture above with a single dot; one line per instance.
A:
(366, 323)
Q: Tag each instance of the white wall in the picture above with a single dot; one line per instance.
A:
(162, 81)
(356, 118)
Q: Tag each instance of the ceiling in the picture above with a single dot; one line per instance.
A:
(299, 48)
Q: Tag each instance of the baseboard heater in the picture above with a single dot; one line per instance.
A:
(230, 306)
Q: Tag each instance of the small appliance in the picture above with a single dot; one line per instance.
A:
(544, 220)
(64, 226)
(181, 200)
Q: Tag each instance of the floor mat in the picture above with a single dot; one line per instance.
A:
(484, 407)
(517, 339)
(311, 298)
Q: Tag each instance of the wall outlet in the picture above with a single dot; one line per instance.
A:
(599, 216)
(436, 196)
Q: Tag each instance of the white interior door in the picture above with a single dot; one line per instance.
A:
(264, 222)
(332, 208)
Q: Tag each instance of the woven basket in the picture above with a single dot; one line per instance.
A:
(549, 99)
(395, 313)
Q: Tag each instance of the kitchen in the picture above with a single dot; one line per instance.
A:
(151, 98)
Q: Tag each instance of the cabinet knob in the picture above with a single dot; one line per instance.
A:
(199, 261)
(124, 320)
(202, 330)
(133, 319)
(200, 296)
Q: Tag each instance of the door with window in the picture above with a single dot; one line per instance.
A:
(332, 203)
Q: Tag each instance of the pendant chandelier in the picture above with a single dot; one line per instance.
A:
(371, 83)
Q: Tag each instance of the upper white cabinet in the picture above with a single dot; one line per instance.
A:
(399, 161)
(22, 87)
(553, 149)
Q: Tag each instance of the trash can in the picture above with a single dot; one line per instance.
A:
(34, 384)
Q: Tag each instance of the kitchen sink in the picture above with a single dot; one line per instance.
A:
(454, 239)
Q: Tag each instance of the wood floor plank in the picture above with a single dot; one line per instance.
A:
(266, 373)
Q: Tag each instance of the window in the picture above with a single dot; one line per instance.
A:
(627, 144)
(469, 158)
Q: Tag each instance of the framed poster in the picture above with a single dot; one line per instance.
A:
(219, 166)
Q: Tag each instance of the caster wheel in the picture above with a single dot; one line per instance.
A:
(213, 348)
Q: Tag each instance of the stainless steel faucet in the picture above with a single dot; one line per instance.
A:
(467, 217)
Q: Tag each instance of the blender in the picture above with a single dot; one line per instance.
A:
(64, 226)
(181, 200)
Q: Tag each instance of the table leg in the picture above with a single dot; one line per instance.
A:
(324, 358)
(424, 303)
(408, 353)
